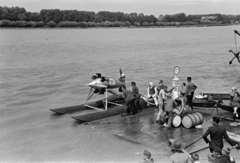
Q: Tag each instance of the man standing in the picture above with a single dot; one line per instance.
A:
(190, 88)
(216, 133)
(136, 94)
(169, 109)
(128, 105)
(161, 101)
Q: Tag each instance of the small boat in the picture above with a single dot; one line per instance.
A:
(112, 111)
(218, 96)
(99, 103)
(234, 137)
(203, 103)
(209, 99)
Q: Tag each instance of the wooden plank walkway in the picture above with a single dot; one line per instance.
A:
(142, 128)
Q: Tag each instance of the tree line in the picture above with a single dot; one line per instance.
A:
(19, 17)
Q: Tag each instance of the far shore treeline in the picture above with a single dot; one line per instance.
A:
(19, 17)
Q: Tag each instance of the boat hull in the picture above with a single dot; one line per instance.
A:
(218, 96)
(112, 111)
(203, 103)
(98, 104)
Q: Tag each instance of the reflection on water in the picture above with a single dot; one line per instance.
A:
(38, 74)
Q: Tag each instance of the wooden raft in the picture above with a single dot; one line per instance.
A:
(142, 128)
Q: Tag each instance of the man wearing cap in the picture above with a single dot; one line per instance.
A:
(147, 157)
(152, 92)
(189, 92)
(235, 102)
(179, 156)
(221, 158)
(211, 158)
(216, 133)
(121, 79)
(195, 158)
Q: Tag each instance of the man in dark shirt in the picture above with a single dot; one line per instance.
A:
(136, 94)
(216, 133)
(128, 106)
(135, 89)
(190, 88)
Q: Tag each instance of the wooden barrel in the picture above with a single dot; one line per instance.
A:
(176, 121)
(178, 109)
(192, 120)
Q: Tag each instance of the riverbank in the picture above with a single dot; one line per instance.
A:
(130, 27)
(107, 24)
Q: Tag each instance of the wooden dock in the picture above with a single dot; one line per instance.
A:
(142, 128)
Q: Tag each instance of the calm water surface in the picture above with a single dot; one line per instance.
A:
(42, 69)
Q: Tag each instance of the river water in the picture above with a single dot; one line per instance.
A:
(41, 69)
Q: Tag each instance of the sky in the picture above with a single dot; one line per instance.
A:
(147, 7)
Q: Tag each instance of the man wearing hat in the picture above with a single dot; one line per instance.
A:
(195, 158)
(216, 133)
(147, 157)
(221, 158)
(226, 156)
(179, 156)
(211, 158)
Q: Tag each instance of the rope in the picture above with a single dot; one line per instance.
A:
(147, 101)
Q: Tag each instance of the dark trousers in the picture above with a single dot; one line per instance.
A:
(137, 105)
(170, 118)
(129, 107)
(189, 99)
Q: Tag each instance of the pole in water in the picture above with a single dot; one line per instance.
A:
(236, 55)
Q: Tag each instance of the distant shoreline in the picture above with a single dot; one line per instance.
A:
(130, 27)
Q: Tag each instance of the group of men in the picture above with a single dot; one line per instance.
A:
(218, 153)
(131, 98)
(159, 96)
(167, 107)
